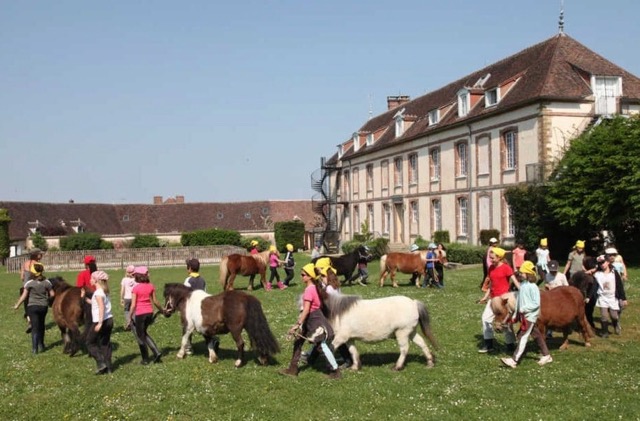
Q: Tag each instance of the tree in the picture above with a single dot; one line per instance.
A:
(597, 182)
(39, 241)
(143, 241)
(5, 240)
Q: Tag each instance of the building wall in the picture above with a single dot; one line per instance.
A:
(543, 132)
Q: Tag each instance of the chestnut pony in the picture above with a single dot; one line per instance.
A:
(404, 262)
(228, 312)
(239, 264)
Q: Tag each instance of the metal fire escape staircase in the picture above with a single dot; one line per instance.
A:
(325, 204)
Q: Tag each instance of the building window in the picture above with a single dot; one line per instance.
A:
(370, 217)
(384, 168)
(347, 185)
(463, 103)
(436, 215)
(356, 181)
(434, 117)
(397, 172)
(386, 218)
(434, 164)
(607, 90)
(399, 118)
(347, 220)
(413, 168)
(462, 216)
(509, 145)
(370, 177)
(356, 142)
(370, 139)
(461, 159)
(413, 208)
(482, 146)
(491, 97)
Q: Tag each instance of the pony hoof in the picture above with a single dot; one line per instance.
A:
(564, 347)
(396, 368)
(238, 363)
(180, 355)
(395, 285)
(587, 344)
(430, 364)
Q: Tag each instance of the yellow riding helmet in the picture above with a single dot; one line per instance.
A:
(528, 267)
(310, 270)
(254, 243)
(323, 262)
(290, 247)
(499, 252)
(272, 248)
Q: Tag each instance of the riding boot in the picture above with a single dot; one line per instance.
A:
(154, 348)
(145, 354)
(281, 285)
(292, 370)
(604, 331)
(488, 346)
(616, 326)
(34, 344)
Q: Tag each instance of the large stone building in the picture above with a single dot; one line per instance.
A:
(442, 161)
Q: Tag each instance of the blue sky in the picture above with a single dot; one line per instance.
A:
(120, 101)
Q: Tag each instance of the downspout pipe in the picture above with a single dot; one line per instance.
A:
(470, 222)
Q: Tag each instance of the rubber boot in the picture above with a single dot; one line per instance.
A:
(268, 286)
(605, 329)
(145, 354)
(154, 348)
(292, 370)
(281, 285)
(616, 326)
(488, 346)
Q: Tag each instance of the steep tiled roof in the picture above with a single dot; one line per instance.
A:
(161, 219)
(558, 68)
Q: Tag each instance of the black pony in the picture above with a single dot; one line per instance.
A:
(587, 284)
(346, 264)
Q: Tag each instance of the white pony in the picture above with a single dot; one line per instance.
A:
(374, 320)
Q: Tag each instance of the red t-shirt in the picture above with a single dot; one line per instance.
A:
(499, 279)
(143, 293)
(84, 280)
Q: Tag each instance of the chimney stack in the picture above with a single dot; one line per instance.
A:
(180, 199)
(157, 200)
(396, 101)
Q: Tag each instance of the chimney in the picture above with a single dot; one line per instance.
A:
(180, 199)
(157, 200)
(396, 101)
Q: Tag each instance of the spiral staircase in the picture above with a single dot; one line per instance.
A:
(325, 204)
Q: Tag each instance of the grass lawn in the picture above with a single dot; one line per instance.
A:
(581, 382)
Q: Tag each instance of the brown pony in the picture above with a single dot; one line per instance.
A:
(238, 264)
(68, 313)
(560, 309)
(403, 262)
(228, 312)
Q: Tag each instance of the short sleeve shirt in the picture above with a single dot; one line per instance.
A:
(311, 294)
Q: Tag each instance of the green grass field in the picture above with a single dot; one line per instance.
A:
(581, 383)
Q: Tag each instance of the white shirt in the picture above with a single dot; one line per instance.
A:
(95, 311)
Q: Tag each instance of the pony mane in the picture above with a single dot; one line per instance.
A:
(59, 284)
(263, 256)
(179, 292)
(338, 304)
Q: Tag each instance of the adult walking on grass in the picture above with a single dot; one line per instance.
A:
(35, 255)
(37, 292)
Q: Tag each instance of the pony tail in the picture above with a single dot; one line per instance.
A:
(425, 323)
(258, 330)
(224, 271)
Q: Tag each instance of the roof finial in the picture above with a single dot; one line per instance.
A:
(561, 21)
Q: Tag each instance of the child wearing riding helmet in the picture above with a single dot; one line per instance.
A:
(289, 264)
(526, 312)
(611, 295)
(99, 333)
(430, 276)
(143, 298)
(274, 262)
(312, 325)
(363, 271)
(37, 291)
(254, 247)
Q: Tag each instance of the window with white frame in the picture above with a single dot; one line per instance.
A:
(370, 217)
(386, 218)
(370, 139)
(397, 172)
(384, 177)
(399, 118)
(356, 142)
(434, 164)
(463, 103)
(434, 117)
(482, 146)
(510, 150)
(370, 177)
(462, 216)
(347, 185)
(436, 215)
(491, 97)
(607, 90)
(347, 220)
(511, 226)
(356, 181)
(413, 208)
(413, 168)
(461, 159)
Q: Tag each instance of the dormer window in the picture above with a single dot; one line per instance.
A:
(356, 141)
(434, 117)
(491, 97)
(340, 150)
(399, 118)
(463, 102)
(607, 90)
(370, 139)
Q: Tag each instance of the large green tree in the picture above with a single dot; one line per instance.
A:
(5, 241)
(597, 182)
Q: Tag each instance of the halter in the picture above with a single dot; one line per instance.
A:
(168, 306)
